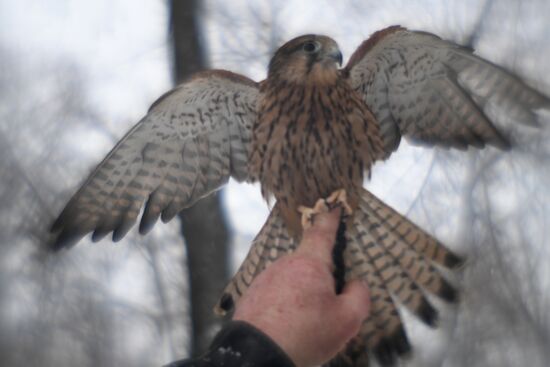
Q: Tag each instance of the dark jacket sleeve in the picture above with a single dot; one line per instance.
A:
(240, 344)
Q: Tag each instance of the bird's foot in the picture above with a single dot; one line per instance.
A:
(337, 199)
(308, 214)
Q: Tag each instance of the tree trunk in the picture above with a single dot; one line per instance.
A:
(203, 226)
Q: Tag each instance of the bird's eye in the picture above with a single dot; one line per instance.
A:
(310, 46)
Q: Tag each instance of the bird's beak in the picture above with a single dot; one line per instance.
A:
(336, 55)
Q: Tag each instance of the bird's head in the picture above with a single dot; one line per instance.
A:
(307, 58)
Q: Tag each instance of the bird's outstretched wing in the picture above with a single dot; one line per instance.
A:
(190, 142)
(434, 92)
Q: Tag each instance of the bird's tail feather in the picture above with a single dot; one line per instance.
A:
(272, 242)
(395, 257)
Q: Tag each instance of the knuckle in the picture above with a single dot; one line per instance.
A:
(316, 237)
(360, 310)
(305, 267)
(353, 316)
(319, 235)
(357, 302)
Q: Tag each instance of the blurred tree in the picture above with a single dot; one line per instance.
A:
(203, 225)
(36, 317)
(64, 311)
(58, 309)
(492, 206)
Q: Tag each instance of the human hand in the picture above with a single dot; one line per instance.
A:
(294, 300)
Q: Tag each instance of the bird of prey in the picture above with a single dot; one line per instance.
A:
(311, 130)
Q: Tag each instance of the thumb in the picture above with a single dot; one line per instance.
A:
(318, 240)
(355, 301)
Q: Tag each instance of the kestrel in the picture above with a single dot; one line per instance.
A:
(310, 131)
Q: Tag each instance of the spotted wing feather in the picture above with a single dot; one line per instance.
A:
(188, 145)
(435, 92)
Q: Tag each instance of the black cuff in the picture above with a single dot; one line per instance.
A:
(240, 344)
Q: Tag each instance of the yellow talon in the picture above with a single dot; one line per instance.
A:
(337, 198)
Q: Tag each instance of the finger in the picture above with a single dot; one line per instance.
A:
(318, 240)
(355, 299)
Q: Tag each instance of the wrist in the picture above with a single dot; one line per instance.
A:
(276, 329)
(243, 341)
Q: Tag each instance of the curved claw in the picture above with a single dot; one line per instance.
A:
(336, 199)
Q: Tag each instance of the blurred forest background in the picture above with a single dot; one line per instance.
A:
(75, 75)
